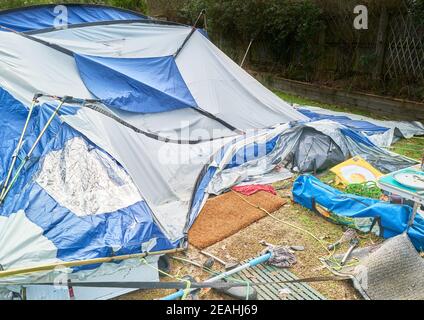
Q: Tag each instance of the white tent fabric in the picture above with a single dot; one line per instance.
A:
(164, 173)
(397, 129)
(217, 83)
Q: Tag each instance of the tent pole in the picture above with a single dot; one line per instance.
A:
(247, 52)
(31, 151)
(193, 29)
(223, 275)
(180, 293)
(79, 263)
(19, 145)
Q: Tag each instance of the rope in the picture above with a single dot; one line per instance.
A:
(188, 282)
(285, 222)
(330, 253)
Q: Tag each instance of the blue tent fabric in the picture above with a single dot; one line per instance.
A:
(141, 85)
(357, 125)
(75, 237)
(42, 17)
(245, 154)
(251, 152)
(309, 191)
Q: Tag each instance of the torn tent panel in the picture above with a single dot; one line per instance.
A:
(365, 214)
(352, 143)
(49, 16)
(141, 85)
(398, 129)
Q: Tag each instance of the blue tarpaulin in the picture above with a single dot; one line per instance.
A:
(357, 125)
(393, 218)
(48, 16)
(75, 237)
(143, 85)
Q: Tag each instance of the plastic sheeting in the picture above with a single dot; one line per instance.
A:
(143, 85)
(371, 127)
(392, 219)
(48, 217)
(48, 16)
(358, 125)
(353, 143)
(85, 180)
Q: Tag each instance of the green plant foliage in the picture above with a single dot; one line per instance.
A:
(136, 5)
(289, 27)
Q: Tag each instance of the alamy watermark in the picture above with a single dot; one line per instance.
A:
(61, 20)
(361, 20)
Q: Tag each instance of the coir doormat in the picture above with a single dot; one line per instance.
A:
(226, 214)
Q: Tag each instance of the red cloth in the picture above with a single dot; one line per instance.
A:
(253, 188)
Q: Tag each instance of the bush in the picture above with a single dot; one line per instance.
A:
(290, 28)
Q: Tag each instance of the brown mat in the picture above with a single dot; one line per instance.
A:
(226, 214)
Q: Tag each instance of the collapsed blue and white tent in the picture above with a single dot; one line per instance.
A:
(383, 133)
(160, 118)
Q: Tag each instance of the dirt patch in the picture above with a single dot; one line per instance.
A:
(227, 214)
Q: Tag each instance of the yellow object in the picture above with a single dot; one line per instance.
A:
(355, 170)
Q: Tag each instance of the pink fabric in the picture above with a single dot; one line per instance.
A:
(253, 188)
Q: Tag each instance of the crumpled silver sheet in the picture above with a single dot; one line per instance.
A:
(86, 180)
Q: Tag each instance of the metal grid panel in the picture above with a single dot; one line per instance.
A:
(405, 46)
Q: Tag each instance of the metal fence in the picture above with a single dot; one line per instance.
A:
(404, 55)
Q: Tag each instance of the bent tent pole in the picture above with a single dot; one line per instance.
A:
(19, 145)
(79, 263)
(180, 293)
(31, 151)
(193, 29)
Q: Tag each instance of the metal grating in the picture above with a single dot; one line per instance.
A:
(266, 273)
(405, 48)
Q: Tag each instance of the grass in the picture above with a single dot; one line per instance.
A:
(413, 148)
(293, 99)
